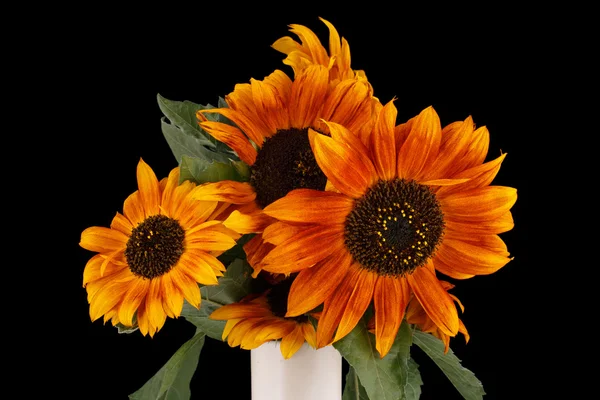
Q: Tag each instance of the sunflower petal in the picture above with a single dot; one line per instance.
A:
(391, 296)
(240, 310)
(471, 259)
(357, 303)
(247, 223)
(314, 285)
(148, 188)
(435, 300)
(227, 191)
(335, 307)
(479, 205)
(478, 177)
(383, 142)
(103, 240)
(304, 249)
(421, 146)
(292, 342)
(311, 206)
(234, 138)
(307, 96)
(349, 171)
(132, 299)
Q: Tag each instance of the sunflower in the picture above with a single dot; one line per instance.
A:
(411, 200)
(415, 314)
(155, 254)
(258, 319)
(310, 51)
(272, 118)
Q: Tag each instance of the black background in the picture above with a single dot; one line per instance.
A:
(483, 63)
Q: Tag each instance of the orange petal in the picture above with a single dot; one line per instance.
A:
(167, 193)
(348, 104)
(240, 310)
(314, 285)
(456, 139)
(335, 306)
(103, 240)
(133, 209)
(467, 258)
(171, 295)
(195, 267)
(149, 191)
(479, 205)
(234, 138)
(307, 95)
(311, 206)
(391, 296)
(278, 232)
(449, 270)
(304, 249)
(210, 239)
(478, 177)
(122, 224)
(276, 328)
(434, 299)
(153, 305)
(132, 299)
(92, 271)
(109, 295)
(256, 249)
(383, 142)
(292, 342)
(310, 335)
(349, 171)
(504, 223)
(227, 191)
(247, 223)
(421, 147)
(357, 303)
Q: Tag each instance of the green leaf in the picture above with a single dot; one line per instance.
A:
(233, 285)
(201, 170)
(383, 379)
(353, 390)
(413, 386)
(464, 380)
(172, 381)
(126, 329)
(185, 136)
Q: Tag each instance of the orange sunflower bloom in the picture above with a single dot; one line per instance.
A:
(310, 51)
(415, 314)
(155, 253)
(259, 319)
(272, 119)
(413, 199)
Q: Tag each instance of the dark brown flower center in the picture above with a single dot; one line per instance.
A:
(278, 298)
(284, 163)
(154, 246)
(395, 227)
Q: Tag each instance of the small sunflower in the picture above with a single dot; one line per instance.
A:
(155, 254)
(259, 319)
(412, 199)
(272, 119)
(310, 51)
(415, 314)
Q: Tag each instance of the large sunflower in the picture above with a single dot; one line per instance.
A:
(154, 254)
(414, 199)
(310, 51)
(259, 319)
(272, 118)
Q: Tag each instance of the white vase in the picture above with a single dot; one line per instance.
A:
(308, 374)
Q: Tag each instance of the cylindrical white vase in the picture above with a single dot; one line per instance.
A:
(308, 374)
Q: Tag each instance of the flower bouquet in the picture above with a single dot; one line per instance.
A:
(302, 217)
